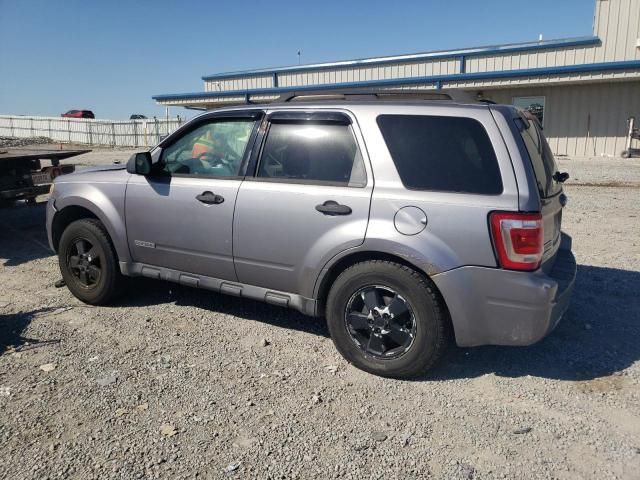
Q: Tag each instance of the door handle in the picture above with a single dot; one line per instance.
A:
(331, 207)
(210, 198)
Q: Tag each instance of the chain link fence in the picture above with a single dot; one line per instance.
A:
(125, 133)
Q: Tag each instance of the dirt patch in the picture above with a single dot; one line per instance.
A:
(605, 184)
(607, 384)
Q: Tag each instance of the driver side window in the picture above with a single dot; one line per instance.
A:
(213, 149)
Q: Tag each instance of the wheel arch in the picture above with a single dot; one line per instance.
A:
(65, 217)
(81, 208)
(340, 265)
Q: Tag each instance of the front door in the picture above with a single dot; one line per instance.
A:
(181, 215)
(307, 201)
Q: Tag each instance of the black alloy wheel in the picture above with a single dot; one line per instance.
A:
(89, 263)
(380, 321)
(84, 262)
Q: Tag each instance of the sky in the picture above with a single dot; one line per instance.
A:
(112, 56)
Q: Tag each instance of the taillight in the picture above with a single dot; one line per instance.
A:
(518, 238)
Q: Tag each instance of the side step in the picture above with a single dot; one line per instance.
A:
(281, 299)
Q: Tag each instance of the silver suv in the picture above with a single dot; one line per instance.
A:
(406, 222)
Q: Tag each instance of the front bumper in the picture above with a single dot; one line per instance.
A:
(491, 306)
(25, 192)
(50, 213)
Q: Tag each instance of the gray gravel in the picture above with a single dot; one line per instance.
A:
(22, 142)
(182, 383)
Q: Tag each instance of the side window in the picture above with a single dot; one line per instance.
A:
(312, 153)
(447, 154)
(544, 165)
(214, 149)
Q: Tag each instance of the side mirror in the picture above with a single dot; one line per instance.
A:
(561, 177)
(139, 163)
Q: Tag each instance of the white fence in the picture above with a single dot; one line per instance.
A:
(126, 133)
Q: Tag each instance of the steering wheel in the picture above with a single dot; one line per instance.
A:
(205, 162)
(212, 159)
(233, 156)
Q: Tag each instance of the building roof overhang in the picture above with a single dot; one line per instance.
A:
(437, 81)
(412, 57)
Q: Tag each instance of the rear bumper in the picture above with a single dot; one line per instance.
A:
(490, 306)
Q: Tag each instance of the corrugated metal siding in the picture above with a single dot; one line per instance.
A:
(583, 120)
(239, 83)
(617, 23)
(521, 60)
(546, 79)
(366, 73)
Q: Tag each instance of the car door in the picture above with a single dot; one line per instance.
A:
(308, 199)
(181, 215)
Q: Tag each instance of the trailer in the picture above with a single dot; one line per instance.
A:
(22, 176)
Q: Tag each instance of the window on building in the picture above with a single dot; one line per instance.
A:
(450, 154)
(535, 105)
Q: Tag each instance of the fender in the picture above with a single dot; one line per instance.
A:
(436, 259)
(98, 203)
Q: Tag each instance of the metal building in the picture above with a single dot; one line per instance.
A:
(583, 89)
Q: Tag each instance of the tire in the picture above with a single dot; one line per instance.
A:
(98, 288)
(429, 325)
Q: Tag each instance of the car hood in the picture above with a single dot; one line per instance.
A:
(104, 173)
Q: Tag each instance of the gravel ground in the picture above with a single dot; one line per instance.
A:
(22, 142)
(181, 383)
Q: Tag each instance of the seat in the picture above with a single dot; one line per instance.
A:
(296, 161)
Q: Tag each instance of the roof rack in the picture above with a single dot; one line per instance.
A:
(354, 94)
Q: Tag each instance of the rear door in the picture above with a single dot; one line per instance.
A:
(307, 200)
(551, 196)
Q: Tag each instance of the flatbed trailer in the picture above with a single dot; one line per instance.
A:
(22, 175)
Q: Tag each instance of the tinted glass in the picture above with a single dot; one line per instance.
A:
(214, 149)
(544, 165)
(312, 153)
(450, 154)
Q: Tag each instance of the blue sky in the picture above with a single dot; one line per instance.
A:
(112, 56)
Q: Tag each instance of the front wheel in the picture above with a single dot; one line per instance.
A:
(88, 262)
(387, 319)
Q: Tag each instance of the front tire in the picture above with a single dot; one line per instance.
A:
(387, 319)
(88, 262)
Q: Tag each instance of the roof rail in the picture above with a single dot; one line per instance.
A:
(351, 94)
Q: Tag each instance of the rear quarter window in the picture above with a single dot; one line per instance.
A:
(542, 160)
(436, 153)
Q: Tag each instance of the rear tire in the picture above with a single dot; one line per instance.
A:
(404, 336)
(88, 262)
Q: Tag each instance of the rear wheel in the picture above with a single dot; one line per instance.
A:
(89, 263)
(387, 319)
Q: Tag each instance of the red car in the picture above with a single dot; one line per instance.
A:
(78, 114)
